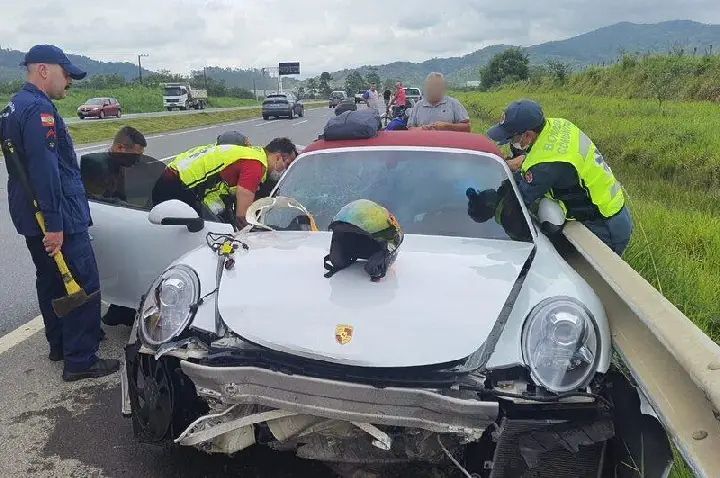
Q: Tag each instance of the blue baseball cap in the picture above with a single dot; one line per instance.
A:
(55, 56)
(518, 117)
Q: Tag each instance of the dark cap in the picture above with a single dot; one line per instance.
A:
(518, 117)
(233, 137)
(55, 56)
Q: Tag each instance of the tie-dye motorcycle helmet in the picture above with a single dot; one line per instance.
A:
(364, 230)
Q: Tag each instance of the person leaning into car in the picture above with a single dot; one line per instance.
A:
(208, 175)
(562, 163)
(104, 178)
(45, 149)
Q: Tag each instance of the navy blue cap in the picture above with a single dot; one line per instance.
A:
(54, 56)
(518, 117)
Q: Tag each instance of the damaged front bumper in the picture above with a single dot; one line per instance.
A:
(402, 407)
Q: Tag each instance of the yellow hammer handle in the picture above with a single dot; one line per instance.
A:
(71, 286)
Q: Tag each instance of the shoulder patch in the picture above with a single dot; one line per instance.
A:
(528, 176)
(47, 120)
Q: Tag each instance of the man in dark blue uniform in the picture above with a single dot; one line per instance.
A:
(46, 150)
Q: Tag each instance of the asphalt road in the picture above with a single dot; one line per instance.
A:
(50, 428)
(169, 113)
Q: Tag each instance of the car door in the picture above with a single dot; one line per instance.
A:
(130, 251)
(114, 106)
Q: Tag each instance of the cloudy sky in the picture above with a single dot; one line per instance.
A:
(323, 35)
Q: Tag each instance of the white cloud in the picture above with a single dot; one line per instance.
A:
(183, 34)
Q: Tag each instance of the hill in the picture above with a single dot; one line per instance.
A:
(604, 45)
(11, 59)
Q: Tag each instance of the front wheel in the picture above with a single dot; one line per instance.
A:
(119, 113)
(302, 112)
(102, 115)
(265, 117)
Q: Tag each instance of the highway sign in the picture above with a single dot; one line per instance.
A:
(289, 68)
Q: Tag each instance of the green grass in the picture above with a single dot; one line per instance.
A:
(669, 165)
(134, 99)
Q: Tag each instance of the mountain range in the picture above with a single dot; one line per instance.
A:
(603, 45)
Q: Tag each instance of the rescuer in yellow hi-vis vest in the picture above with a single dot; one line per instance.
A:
(206, 176)
(554, 158)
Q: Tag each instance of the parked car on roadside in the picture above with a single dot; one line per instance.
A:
(99, 108)
(414, 94)
(335, 98)
(282, 104)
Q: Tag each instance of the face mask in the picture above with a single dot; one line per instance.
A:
(518, 146)
(276, 175)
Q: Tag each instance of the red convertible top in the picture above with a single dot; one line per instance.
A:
(439, 139)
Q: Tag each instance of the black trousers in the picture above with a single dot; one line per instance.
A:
(78, 333)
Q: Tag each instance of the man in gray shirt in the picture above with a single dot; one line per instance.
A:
(438, 111)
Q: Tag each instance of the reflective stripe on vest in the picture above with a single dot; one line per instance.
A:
(199, 164)
(562, 141)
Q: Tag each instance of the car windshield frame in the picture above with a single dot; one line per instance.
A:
(277, 190)
(95, 101)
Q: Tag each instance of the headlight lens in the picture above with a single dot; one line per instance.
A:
(166, 310)
(560, 344)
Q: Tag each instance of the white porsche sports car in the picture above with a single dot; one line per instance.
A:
(481, 352)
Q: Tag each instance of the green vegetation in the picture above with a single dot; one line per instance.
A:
(133, 99)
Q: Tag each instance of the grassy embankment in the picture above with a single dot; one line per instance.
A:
(656, 122)
(132, 99)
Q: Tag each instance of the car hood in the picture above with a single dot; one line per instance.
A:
(438, 302)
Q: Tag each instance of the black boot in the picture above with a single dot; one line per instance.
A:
(99, 369)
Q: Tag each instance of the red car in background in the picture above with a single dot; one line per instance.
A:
(99, 108)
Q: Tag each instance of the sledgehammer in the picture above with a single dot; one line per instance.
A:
(76, 296)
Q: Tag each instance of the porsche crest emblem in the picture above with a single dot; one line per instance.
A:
(343, 334)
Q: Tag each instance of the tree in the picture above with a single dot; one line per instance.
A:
(354, 82)
(559, 71)
(373, 77)
(389, 84)
(312, 86)
(301, 92)
(511, 65)
(324, 85)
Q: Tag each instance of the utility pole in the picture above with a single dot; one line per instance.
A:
(205, 75)
(140, 66)
(254, 89)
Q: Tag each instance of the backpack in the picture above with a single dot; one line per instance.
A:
(352, 125)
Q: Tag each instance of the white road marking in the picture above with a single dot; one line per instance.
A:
(299, 122)
(265, 123)
(164, 160)
(21, 334)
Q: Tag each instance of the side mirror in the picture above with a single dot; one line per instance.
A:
(176, 213)
(551, 217)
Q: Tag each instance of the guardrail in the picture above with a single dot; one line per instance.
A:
(675, 364)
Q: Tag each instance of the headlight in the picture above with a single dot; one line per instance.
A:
(560, 344)
(166, 309)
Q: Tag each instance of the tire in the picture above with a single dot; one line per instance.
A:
(169, 109)
(101, 115)
(265, 117)
(302, 112)
(292, 113)
(119, 113)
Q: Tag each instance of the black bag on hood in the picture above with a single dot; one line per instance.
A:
(352, 125)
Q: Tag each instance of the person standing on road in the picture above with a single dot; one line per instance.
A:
(373, 100)
(45, 148)
(436, 110)
(104, 177)
(400, 98)
(562, 163)
(211, 174)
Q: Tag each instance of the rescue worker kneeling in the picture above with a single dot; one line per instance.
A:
(206, 176)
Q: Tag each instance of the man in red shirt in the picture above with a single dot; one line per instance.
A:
(400, 97)
(204, 177)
